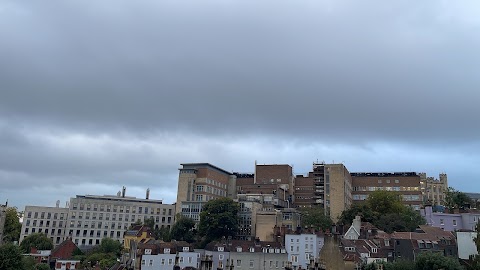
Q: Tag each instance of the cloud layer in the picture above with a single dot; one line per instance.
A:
(96, 95)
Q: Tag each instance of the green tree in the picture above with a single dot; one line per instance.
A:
(397, 265)
(385, 210)
(12, 226)
(384, 202)
(110, 246)
(219, 219)
(405, 221)
(314, 217)
(455, 199)
(42, 266)
(362, 210)
(10, 257)
(149, 222)
(28, 263)
(38, 240)
(436, 261)
(183, 229)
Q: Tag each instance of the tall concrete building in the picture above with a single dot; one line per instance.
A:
(433, 190)
(328, 186)
(93, 217)
(89, 218)
(52, 221)
(199, 183)
(407, 184)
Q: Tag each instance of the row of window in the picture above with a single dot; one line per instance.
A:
(120, 217)
(42, 223)
(209, 189)
(47, 215)
(386, 188)
(121, 208)
(46, 231)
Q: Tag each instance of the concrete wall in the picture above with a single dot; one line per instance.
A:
(340, 193)
(466, 244)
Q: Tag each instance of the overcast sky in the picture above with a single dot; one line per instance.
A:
(95, 95)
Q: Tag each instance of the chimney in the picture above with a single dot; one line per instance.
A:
(123, 191)
(148, 194)
(57, 204)
(357, 223)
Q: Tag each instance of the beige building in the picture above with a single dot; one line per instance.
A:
(93, 217)
(199, 183)
(433, 190)
(406, 184)
(89, 218)
(328, 186)
(52, 221)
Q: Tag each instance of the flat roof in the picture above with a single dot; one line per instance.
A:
(382, 174)
(195, 165)
(119, 198)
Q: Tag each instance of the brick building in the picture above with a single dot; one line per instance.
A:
(407, 184)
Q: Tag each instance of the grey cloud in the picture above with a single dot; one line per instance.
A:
(380, 69)
(112, 91)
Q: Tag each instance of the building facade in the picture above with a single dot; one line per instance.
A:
(433, 190)
(450, 222)
(199, 183)
(407, 184)
(92, 217)
(302, 248)
(328, 186)
(89, 218)
(52, 221)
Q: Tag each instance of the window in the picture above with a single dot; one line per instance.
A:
(251, 263)
(454, 222)
(379, 181)
(239, 262)
(220, 257)
(170, 261)
(239, 249)
(388, 181)
(166, 250)
(186, 249)
(143, 262)
(150, 262)
(163, 262)
(220, 249)
(442, 222)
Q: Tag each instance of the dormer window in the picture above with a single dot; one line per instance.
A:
(239, 249)
(166, 251)
(387, 242)
(148, 251)
(374, 250)
(186, 249)
(252, 249)
(220, 249)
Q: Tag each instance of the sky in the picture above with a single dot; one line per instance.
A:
(96, 95)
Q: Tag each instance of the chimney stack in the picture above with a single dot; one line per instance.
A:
(123, 191)
(148, 194)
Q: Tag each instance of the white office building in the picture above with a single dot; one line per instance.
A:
(89, 218)
(51, 221)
